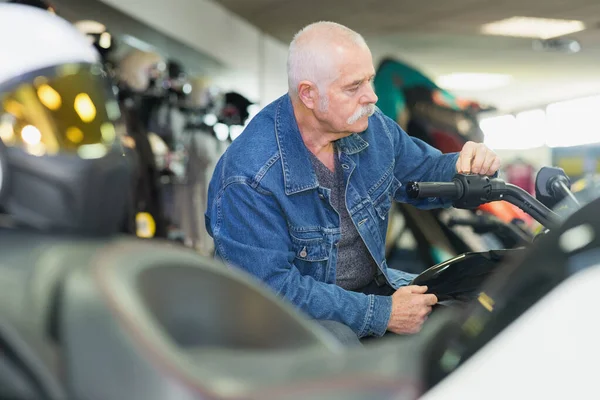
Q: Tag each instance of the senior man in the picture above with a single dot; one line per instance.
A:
(301, 199)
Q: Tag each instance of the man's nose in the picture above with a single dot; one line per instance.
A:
(370, 96)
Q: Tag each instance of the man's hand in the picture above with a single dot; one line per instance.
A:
(476, 158)
(410, 308)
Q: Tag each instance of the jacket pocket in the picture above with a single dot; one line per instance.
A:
(383, 202)
(311, 256)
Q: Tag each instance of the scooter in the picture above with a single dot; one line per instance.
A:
(504, 344)
(461, 277)
(121, 318)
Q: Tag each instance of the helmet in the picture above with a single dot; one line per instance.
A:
(204, 96)
(61, 163)
(99, 36)
(143, 72)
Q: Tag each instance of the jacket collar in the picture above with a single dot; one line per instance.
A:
(298, 172)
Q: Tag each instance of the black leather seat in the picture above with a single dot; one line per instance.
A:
(130, 319)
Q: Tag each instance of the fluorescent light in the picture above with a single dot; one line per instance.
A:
(473, 81)
(507, 132)
(573, 122)
(542, 28)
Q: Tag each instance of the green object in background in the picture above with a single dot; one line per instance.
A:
(393, 77)
(439, 255)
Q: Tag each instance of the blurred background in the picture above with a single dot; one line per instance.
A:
(520, 76)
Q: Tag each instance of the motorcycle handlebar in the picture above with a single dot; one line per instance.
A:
(448, 190)
(471, 191)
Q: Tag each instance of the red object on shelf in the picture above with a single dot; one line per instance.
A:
(506, 212)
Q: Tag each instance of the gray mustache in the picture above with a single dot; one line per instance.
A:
(364, 111)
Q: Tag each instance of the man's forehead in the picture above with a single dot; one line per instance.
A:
(351, 63)
(356, 76)
(357, 62)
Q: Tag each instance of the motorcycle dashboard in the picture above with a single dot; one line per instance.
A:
(519, 283)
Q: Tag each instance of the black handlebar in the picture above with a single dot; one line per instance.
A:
(471, 191)
(448, 190)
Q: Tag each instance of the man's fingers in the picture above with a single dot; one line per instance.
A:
(487, 163)
(478, 160)
(417, 289)
(495, 166)
(465, 157)
(430, 299)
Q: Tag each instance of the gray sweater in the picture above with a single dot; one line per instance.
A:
(355, 267)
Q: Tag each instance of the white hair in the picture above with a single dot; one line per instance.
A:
(309, 56)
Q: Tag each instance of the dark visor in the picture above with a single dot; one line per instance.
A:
(64, 109)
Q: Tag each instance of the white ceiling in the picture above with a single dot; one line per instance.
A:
(442, 36)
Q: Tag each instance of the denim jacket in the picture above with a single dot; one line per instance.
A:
(268, 215)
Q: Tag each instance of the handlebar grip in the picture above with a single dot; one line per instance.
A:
(421, 190)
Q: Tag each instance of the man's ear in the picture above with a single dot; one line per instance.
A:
(308, 94)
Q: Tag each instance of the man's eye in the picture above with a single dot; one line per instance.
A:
(353, 89)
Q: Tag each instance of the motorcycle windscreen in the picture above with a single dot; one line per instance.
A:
(64, 109)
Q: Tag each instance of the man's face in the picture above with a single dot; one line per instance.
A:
(350, 99)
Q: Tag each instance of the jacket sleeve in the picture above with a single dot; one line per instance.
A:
(417, 161)
(250, 233)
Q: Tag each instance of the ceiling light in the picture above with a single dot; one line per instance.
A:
(473, 81)
(541, 28)
(88, 26)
